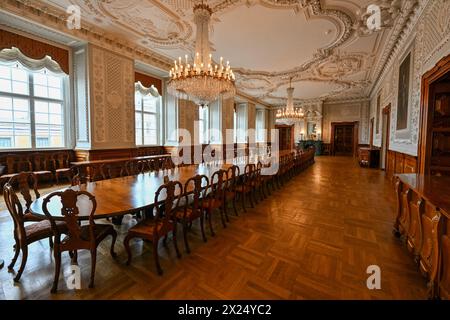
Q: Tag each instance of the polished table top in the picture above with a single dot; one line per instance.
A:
(434, 189)
(93, 162)
(128, 194)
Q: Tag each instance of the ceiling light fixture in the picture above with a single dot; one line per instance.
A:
(289, 114)
(202, 82)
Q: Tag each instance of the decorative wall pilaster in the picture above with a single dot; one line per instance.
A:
(111, 79)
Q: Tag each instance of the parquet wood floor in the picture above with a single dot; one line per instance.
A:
(312, 239)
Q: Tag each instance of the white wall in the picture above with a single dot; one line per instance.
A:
(347, 112)
(429, 41)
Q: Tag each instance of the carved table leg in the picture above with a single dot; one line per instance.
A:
(398, 191)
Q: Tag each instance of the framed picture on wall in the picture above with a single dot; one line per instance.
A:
(404, 80)
(378, 114)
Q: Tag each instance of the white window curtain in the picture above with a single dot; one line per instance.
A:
(171, 119)
(215, 122)
(260, 125)
(203, 125)
(147, 115)
(241, 123)
(33, 102)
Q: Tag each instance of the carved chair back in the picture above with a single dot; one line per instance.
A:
(61, 160)
(43, 162)
(16, 211)
(219, 181)
(25, 182)
(249, 174)
(166, 207)
(233, 177)
(17, 163)
(199, 185)
(111, 171)
(70, 211)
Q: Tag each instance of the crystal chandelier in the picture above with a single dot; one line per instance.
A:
(289, 114)
(201, 82)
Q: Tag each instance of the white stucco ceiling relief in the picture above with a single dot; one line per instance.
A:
(324, 46)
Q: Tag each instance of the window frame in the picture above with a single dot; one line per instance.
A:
(260, 130)
(204, 122)
(65, 99)
(142, 112)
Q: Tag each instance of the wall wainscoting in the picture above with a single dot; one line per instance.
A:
(400, 163)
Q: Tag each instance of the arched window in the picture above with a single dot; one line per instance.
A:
(32, 102)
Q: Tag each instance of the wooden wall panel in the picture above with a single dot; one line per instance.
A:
(400, 163)
(85, 155)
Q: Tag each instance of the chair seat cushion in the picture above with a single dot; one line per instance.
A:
(41, 230)
(230, 194)
(211, 203)
(146, 228)
(243, 189)
(190, 214)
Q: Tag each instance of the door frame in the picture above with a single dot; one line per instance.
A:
(355, 125)
(292, 143)
(424, 145)
(372, 124)
(386, 111)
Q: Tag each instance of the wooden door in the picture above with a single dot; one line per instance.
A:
(343, 140)
(286, 137)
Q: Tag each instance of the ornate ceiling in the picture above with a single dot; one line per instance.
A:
(323, 45)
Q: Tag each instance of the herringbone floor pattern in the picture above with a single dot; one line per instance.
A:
(312, 239)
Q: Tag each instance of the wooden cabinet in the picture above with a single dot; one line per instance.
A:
(369, 157)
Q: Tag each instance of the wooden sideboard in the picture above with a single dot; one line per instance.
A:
(369, 157)
(423, 223)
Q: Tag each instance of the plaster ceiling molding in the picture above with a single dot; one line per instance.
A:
(338, 66)
(390, 9)
(151, 20)
(52, 14)
(307, 89)
(250, 75)
(402, 29)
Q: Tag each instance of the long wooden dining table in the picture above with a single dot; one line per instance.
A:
(129, 194)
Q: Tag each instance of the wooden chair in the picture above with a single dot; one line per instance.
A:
(161, 225)
(258, 182)
(26, 182)
(25, 235)
(246, 186)
(15, 164)
(133, 167)
(444, 278)
(88, 173)
(43, 164)
(192, 209)
(79, 237)
(233, 173)
(111, 171)
(215, 199)
(62, 166)
(429, 253)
